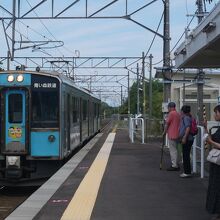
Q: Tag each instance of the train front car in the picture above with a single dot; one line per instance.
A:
(30, 127)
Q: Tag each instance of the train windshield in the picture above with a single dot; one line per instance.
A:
(15, 108)
(45, 111)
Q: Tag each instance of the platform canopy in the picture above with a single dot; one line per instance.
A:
(201, 48)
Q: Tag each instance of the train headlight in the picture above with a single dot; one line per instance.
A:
(20, 78)
(11, 78)
(13, 161)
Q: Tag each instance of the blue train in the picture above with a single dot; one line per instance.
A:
(44, 117)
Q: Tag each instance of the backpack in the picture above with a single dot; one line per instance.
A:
(193, 128)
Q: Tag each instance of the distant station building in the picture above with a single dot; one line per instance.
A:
(184, 89)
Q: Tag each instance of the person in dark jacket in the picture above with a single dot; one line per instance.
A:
(186, 139)
(213, 193)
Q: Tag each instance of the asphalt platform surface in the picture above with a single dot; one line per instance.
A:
(133, 187)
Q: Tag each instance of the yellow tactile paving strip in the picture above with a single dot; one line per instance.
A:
(115, 128)
(82, 203)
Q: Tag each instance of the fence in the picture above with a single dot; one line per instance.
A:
(198, 144)
(136, 125)
(152, 127)
(199, 152)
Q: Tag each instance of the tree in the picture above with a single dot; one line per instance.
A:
(157, 98)
(106, 110)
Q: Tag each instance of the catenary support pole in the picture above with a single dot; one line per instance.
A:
(129, 108)
(121, 97)
(150, 88)
(200, 74)
(13, 30)
(138, 85)
(166, 52)
(144, 86)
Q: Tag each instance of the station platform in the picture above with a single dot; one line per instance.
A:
(113, 179)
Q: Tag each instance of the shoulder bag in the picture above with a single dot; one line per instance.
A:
(214, 156)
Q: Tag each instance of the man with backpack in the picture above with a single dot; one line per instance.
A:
(188, 129)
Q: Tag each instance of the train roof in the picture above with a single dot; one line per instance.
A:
(60, 76)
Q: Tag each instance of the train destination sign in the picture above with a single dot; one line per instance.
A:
(44, 83)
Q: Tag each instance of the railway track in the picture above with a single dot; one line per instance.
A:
(106, 124)
(10, 198)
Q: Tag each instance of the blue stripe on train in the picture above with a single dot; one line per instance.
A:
(40, 145)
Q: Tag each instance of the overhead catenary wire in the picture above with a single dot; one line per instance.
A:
(180, 38)
(23, 36)
(40, 49)
(34, 45)
(48, 29)
(182, 34)
(26, 36)
(27, 28)
(154, 36)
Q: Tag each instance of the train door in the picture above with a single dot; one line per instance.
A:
(66, 118)
(15, 121)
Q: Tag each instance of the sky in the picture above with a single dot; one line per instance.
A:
(102, 37)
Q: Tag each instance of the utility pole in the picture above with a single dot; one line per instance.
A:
(144, 95)
(200, 74)
(13, 29)
(166, 53)
(8, 60)
(184, 87)
(121, 97)
(144, 87)
(129, 108)
(138, 97)
(73, 69)
(200, 13)
(150, 87)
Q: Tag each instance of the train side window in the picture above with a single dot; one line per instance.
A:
(78, 109)
(98, 110)
(15, 108)
(74, 109)
(45, 109)
(84, 109)
(94, 107)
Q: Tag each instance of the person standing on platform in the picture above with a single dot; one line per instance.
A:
(172, 129)
(186, 139)
(213, 193)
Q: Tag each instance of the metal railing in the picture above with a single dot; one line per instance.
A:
(200, 145)
(135, 125)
